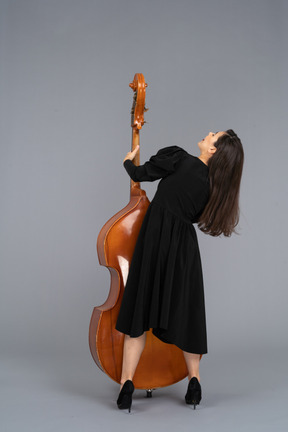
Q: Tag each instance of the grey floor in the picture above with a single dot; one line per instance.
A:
(242, 391)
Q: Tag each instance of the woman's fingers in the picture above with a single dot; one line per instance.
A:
(131, 154)
(135, 150)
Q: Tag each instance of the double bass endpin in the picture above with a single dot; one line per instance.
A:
(149, 393)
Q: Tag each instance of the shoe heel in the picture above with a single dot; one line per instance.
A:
(196, 398)
(193, 395)
(124, 400)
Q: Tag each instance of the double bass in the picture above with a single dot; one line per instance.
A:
(161, 364)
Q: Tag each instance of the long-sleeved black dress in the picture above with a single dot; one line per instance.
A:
(164, 288)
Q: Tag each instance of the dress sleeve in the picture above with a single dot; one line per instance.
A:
(158, 166)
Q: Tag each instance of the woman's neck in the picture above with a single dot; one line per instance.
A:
(203, 159)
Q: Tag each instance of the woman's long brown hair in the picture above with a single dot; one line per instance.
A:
(221, 213)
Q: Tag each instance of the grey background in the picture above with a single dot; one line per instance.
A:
(65, 130)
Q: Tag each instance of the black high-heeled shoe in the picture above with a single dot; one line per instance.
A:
(124, 400)
(193, 395)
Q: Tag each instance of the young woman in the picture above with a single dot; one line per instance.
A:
(164, 289)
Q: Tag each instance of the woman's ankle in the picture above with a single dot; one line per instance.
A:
(194, 375)
(122, 382)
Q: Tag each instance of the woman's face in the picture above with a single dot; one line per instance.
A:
(207, 143)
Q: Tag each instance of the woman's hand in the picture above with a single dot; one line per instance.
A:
(130, 155)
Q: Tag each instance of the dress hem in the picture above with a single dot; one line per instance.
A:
(162, 339)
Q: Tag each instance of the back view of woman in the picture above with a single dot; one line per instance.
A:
(164, 289)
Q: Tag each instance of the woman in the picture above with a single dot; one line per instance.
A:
(164, 289)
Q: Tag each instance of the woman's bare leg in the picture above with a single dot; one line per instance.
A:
(192, 362)
(133, 348)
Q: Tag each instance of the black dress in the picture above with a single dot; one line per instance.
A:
(164, 288)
